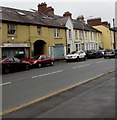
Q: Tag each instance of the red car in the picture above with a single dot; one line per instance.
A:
(11, 64)
(41, 60)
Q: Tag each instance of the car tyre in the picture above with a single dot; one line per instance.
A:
(7, 70)
(51, 63)
(39, 65)
(77, 59)
(85, 58)
(27, 67)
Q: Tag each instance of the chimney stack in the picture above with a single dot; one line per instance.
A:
(81, 18)
(67, 14)
(105, 23)
(94, 21)
(42, 8)
(50, 10)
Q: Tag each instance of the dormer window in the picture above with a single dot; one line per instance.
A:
(11, 28)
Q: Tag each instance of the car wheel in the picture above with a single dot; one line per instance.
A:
(39, 65)
(85, 58)
(51, 63)
(7, 70)
(77, 59)
(27, 67)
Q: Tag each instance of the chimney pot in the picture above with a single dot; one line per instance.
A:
(42, 8)
(50, 10)
(67, 14)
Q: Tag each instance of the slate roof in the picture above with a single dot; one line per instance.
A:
(83, 26)
(50, 20)
(77, 24)
(27, 17)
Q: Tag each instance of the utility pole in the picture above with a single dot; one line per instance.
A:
(114, 33)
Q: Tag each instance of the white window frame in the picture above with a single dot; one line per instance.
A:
(56, 32)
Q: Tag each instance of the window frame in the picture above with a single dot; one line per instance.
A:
(11, 29)
(39, 30)
(56, 32)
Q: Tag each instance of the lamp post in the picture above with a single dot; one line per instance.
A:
(114, 46)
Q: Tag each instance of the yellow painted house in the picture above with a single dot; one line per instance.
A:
(107, 32)
(107, 36)
(25, 34)
(86, 37)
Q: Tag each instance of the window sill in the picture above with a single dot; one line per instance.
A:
(57, 38)
(11, 35)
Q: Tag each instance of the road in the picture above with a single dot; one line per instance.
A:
(25, 86)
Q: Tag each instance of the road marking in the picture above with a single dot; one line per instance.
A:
(113, 59)
(99, 62)
(80, 66)
(5, 83)
(47, 74)
(53, 94)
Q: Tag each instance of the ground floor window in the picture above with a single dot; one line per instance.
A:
(21, 53)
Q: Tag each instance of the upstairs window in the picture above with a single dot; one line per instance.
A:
(76, 34)
(56, 32)
(69, 33)
(11, 28)
(38, 30)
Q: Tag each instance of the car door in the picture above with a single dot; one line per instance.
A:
(18, 63)
(10, 63)
(82, 54)
(49, 59)
(43, 59)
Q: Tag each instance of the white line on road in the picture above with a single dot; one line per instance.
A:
(80, 66)
(5, 83)
(99, 62)
(47, 74)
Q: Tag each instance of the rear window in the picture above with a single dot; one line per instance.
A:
(90, 51)
(109, 50)
(73, 52)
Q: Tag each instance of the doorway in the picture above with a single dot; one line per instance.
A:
(39, 47)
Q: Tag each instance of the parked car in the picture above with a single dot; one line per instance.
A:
(9, 64)
(109, 53)
(42, 60)
(76, 55)
(102, 51)
(94, 54)
(116, 53)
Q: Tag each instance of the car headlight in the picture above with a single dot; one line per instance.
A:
(35, 62)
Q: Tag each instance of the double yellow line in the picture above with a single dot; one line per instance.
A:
(52, 94)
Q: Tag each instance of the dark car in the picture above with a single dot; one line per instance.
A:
(94, 54)
(109, 53)
(12, 64)
(116, 53)
(42, 60)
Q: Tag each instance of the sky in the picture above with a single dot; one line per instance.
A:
(103, 8)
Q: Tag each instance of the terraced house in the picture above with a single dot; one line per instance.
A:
(29, 33)
(79, 34)
(107, 32)
(26, 33)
